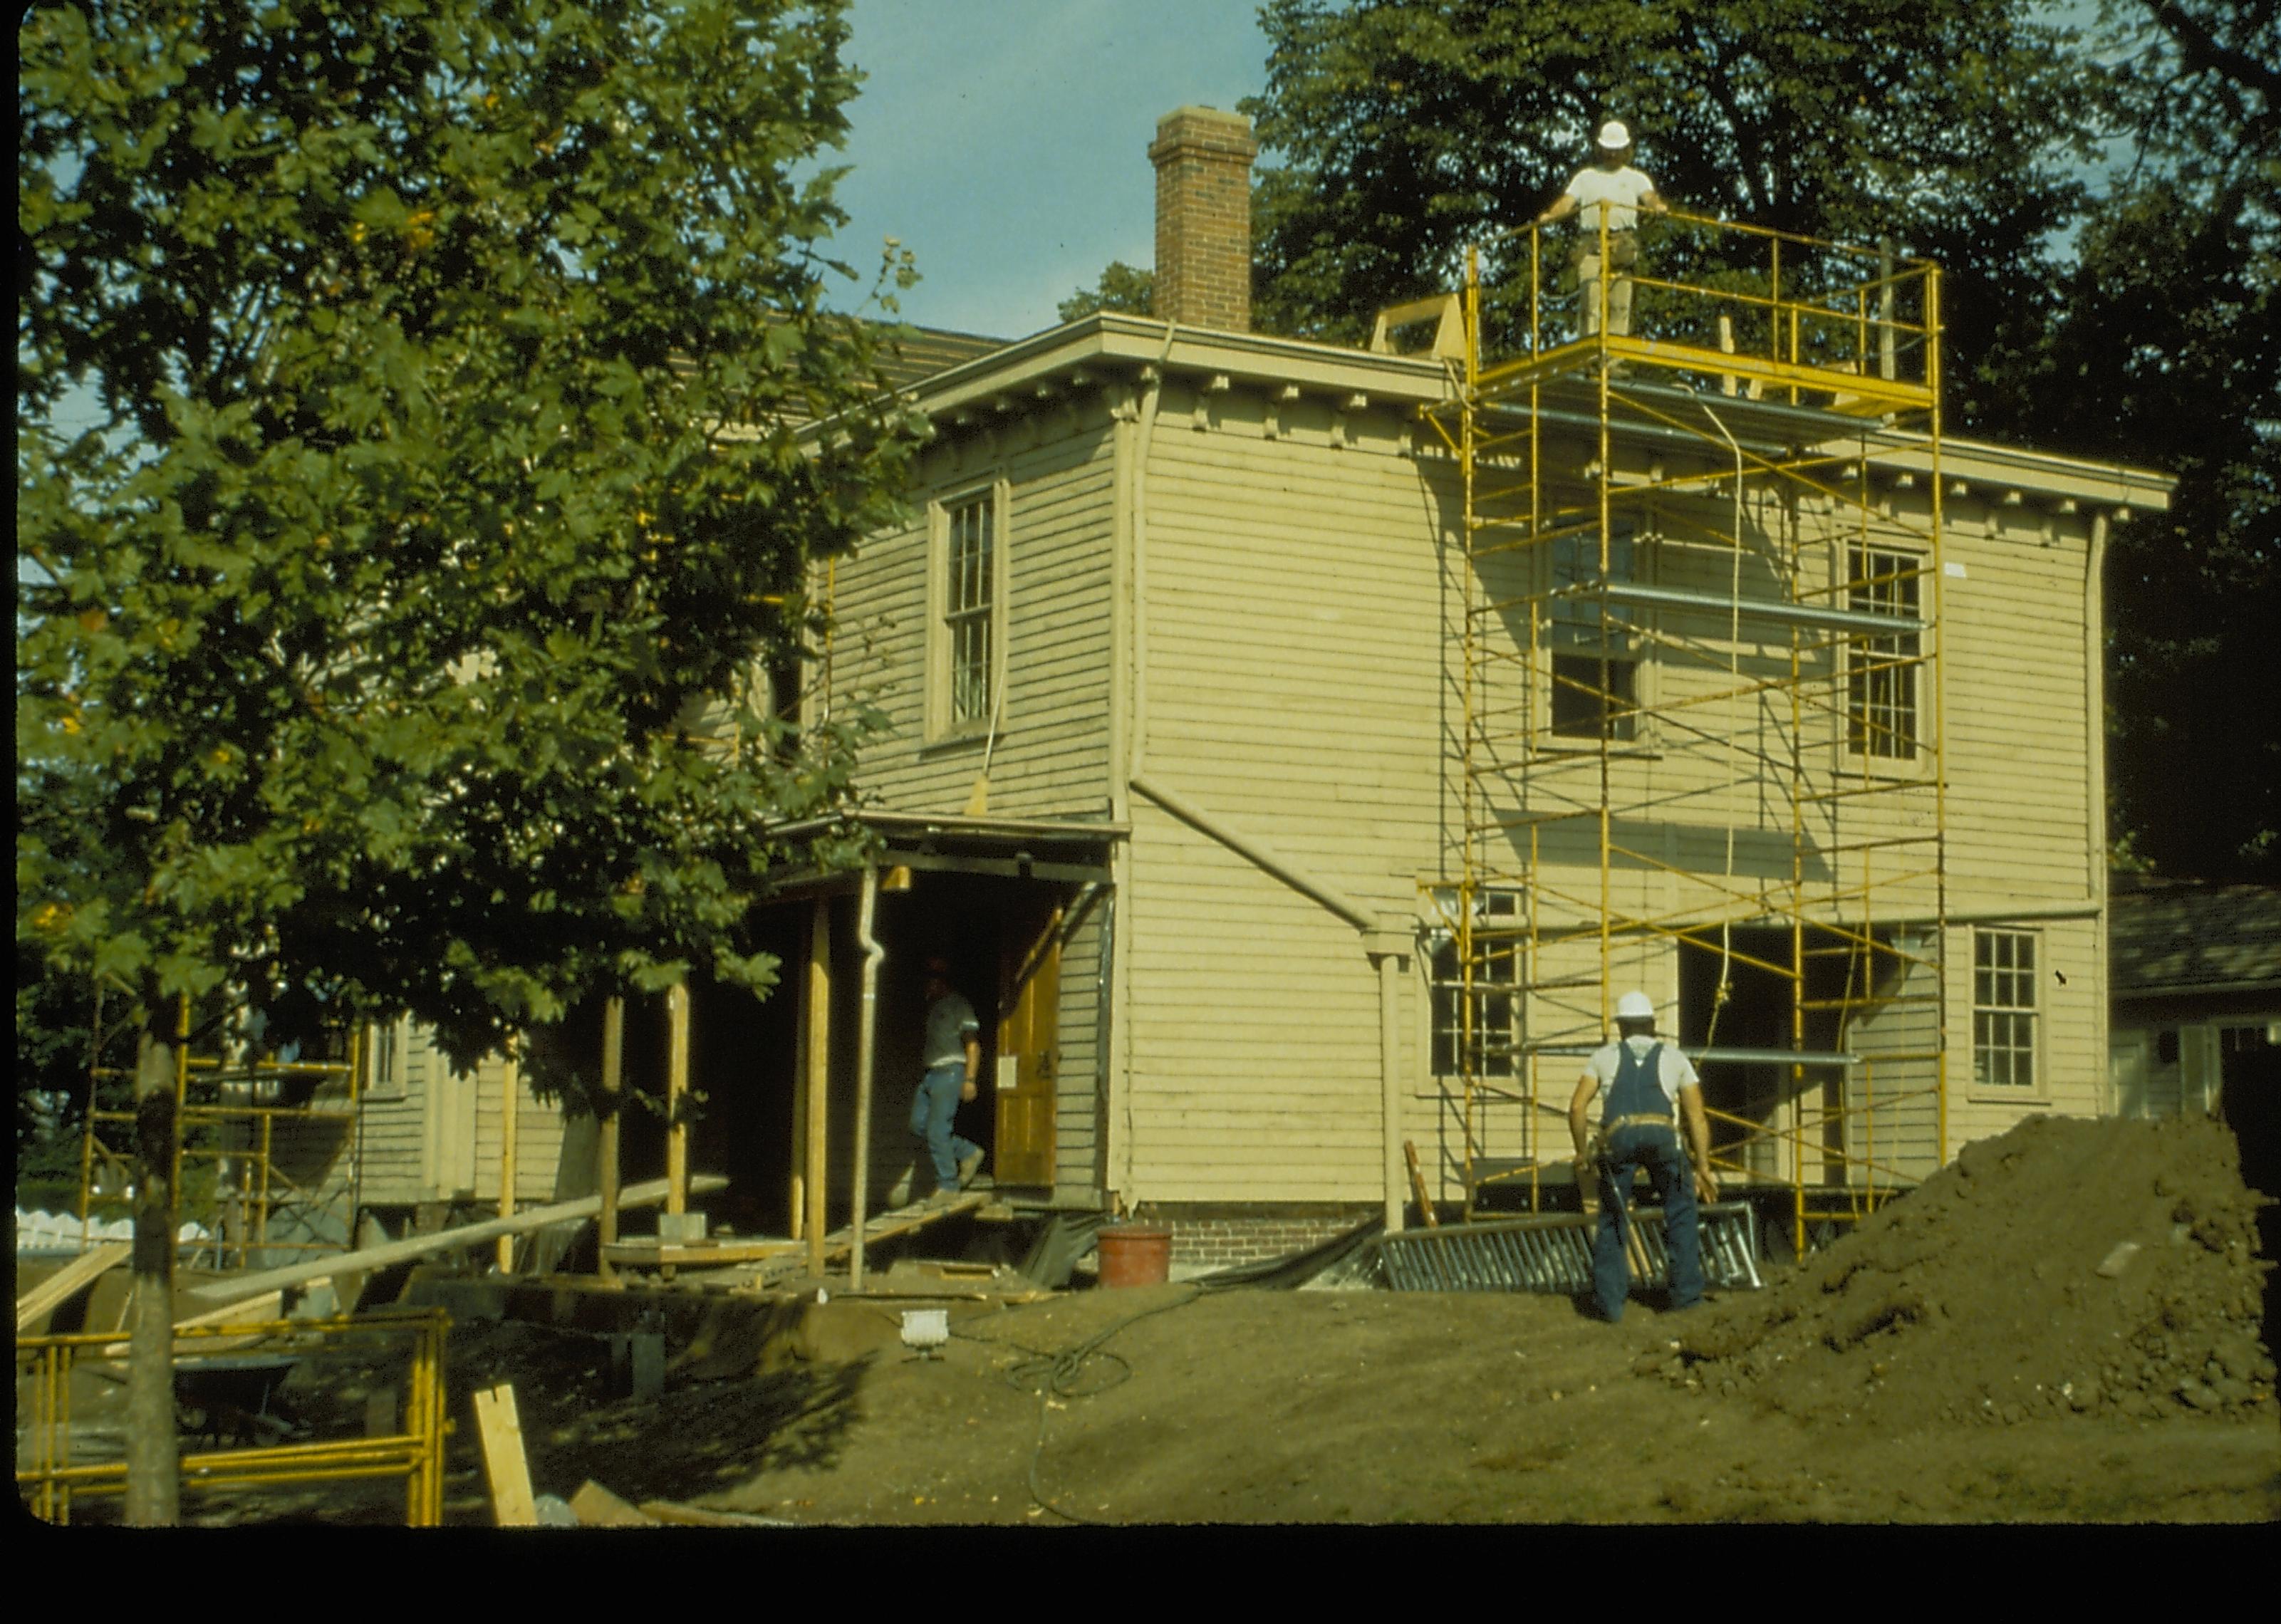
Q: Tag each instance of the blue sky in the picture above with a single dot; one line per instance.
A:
(1006, 141)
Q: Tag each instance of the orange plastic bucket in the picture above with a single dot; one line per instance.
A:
(1135, 1254)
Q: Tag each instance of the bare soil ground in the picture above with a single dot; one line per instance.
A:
(1961, 1358)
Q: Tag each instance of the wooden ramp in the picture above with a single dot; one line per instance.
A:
(648, 1252)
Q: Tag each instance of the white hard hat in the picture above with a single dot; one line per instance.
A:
(1614, 136)
(1634, 1007)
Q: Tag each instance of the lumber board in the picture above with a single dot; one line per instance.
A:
(701, 1517)
(444, 1240)
(504, 1464)
(651, 1254)
(75, 1276)
(596, 1507)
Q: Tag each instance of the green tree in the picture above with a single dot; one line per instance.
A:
(449, 362)
(1121, 287)
(1410, 129)
(2166, 352)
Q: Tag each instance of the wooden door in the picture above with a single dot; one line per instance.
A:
(1029, 1054)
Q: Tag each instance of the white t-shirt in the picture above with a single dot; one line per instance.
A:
(1674, 1070)
(1617, 190)
(949, 1022)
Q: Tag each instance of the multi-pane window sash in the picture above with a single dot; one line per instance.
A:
(1595, 667)
(1496, 980)
(2003, 1009)
(1880, 685)
(968, 614)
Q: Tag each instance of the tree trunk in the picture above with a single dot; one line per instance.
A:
(153, 1450)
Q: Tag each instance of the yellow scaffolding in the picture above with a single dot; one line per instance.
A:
(1699, 657)
(245, 1117)
(54, 1468)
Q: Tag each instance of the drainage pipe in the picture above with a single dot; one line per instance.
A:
(866, 1037)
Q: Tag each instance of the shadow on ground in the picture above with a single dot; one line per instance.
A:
(700, 1436)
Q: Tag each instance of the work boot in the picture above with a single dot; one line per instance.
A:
(968, 1167)
(899, 1193)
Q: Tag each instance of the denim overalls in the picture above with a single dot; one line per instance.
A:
(1627, 1143)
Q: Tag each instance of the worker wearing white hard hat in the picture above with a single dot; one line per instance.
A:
(1612, 195)
(1653, 1094)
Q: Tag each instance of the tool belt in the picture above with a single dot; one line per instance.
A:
(1651, 1121)
(1623, 251)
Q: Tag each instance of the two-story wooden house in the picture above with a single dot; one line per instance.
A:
(1296, 749)
(1357, 725)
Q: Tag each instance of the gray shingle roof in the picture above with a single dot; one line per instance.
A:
(2179, 936)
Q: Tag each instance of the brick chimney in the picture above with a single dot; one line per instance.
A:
(1203, 218)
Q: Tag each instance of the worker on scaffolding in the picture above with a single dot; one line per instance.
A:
(1652, 1089)
(1609, 192)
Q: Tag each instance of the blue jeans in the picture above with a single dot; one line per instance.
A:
(932, 1111)
(1657, 1150)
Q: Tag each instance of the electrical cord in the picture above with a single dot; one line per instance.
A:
(1063, 1376)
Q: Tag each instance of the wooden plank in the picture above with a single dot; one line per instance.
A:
(596, 1507)
(81, 1272)
(505, 1465)
(701, 1517)
(839, 1243)
(425, 1246)
(646, 1252)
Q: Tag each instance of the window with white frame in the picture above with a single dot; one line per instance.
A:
(1881, 676)
(2003, 1009)
(969, 609)
(1594, 659)
(1495, 1035)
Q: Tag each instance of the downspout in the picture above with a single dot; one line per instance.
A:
(1119, 1166)
(2094, 679)
(1150, 405)
(1386, 946)
(866, 1033)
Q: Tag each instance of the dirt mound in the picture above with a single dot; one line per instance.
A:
(2068, 1267)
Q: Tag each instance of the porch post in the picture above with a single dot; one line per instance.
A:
(676, 1091)
(819, 1077)
(605, 1135)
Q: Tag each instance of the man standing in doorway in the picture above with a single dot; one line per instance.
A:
(952, 1056)
(1651, 1090)
(1612, 188)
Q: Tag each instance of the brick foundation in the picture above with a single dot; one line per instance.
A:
(1206, 1239)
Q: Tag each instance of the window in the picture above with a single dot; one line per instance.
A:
(1594, 698)
(384, 1068)
(2003, 1009)
(1880, 679)
(1497, 923)
(970, 605)
(1594, 663)
(2244, 1039)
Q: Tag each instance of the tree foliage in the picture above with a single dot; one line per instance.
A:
(2166, 352)
(1121, 287)
(2102, 198)
(410, 402)
(1409, 128)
